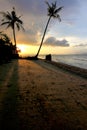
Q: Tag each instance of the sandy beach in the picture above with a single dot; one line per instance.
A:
(37, 95)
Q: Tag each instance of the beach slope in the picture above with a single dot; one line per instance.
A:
(36, 95)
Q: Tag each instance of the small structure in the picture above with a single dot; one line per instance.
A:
(48, 57)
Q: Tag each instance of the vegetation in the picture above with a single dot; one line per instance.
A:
(52, 13)
(11, 20)
(7, 50)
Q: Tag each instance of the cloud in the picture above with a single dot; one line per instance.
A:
(34, 16)
(52, 41)
(81, 45)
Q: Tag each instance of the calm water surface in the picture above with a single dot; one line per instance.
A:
(79, 60)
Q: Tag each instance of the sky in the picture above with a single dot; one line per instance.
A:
(66, 37)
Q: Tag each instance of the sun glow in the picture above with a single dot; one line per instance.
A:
(23, 49)
(26, 50)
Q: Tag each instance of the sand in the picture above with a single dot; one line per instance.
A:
(36, 95)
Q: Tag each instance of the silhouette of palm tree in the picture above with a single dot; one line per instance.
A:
(52, 12)
(10, 19)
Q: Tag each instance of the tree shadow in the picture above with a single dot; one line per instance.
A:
(9, 115)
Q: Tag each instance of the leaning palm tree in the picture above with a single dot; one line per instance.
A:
(11, 20)
(52, 13)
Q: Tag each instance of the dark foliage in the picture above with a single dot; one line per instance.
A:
(7, 50)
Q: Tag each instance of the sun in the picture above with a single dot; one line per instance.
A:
(22, 49)
(26, 50)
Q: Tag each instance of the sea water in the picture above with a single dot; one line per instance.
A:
(79, 60)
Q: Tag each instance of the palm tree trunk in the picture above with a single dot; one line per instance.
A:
(14, 37)
(43, 37)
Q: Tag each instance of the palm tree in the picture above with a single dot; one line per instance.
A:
(10, 19)
(52, 12)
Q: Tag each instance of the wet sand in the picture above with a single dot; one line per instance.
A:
(36, 95)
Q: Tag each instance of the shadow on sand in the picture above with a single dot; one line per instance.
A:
(9, 116)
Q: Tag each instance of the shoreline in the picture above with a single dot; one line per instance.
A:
(73, 60)
(70, 68)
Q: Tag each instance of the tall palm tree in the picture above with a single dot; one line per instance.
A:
(52, 13)
(11, 20)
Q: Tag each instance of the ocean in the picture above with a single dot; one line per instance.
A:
(79, 60)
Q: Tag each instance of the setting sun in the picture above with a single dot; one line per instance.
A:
(23, 49)
(26, 50)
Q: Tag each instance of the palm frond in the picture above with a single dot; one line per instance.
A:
(3, 20)
(9, 25)
(54, 5)
(5, 23)
(59, 9)
(18, 20)
(19, 16)
(6, 15)
(58, 16)
(47, 4)
(18, 26)
(22, 28)
(9, 15)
